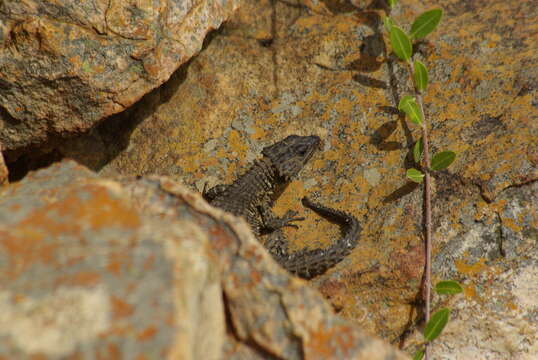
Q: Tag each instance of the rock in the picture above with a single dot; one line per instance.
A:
(129, 268)
(495, 256)
(66, 65)
(4, 172)
(284, 69)
(276, 68)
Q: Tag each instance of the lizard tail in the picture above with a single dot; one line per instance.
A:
(310, 263)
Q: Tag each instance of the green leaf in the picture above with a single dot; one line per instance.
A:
(410, 107)
(414, 175)
(425, 23)
(417, 150)
(437, 323)
(392, 3)
(401, 45)
(421, 76)
(418, 355)
(404, 100)
(442, 160)
(388, 23)
(448, 287)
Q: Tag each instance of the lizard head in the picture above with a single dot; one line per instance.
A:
(291, 154)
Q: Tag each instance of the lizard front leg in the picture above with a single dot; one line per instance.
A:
(271, 222)
(211, 193)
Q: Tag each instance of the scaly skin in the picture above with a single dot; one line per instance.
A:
(252, 196)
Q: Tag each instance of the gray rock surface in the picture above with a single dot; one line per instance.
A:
(278, 68)
(93, 267)
(65, 65)
(284, 69)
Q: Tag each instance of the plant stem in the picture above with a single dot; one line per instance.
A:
(426, 285)
(428, 223)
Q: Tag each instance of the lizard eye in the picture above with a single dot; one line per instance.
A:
(302, 150)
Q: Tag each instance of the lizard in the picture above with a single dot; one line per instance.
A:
(253, 194)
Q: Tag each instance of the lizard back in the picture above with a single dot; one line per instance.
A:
(252, 196)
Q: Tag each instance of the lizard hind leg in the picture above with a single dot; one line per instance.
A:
(271, 222)
(277, 245)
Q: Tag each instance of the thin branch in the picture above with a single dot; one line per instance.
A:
(426, 285)
(428, 224)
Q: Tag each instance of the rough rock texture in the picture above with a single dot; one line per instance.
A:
(64, 65)
(495, 252)
(284, 68)
(4, 173)
(127, 269)
(323, 68)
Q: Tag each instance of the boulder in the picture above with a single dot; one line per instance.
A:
(65, 65)
(145, 268)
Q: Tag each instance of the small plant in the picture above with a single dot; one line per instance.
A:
(413, 107)
(439, 319)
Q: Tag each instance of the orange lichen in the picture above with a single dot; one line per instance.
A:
(320, 344)
(510, 223)
(512, 306)
(255, 276)
(120, 308)
(82, 278)
(259, 133)
(237, 144)
(470, 292)
(147, 333)
(101, 209)
(25, 247)
(323, 342)
(115, 262)
(471, 269)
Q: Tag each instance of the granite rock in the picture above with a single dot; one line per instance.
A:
(144, 268)
(65, 65)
